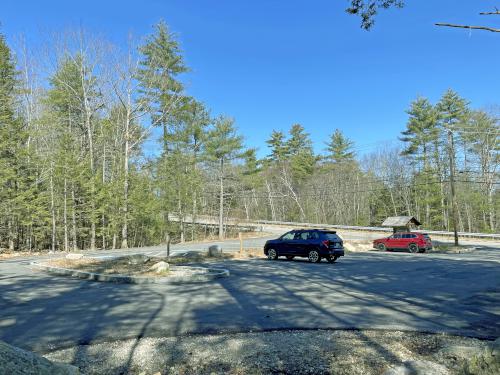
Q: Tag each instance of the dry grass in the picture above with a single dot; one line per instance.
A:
(118, 266)
(249, 254)
(14, 254)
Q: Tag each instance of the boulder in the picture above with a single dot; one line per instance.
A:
(495, 347)
(16, 361)
(160, 267)
(138, 259)
(214, 251)
(74, 256)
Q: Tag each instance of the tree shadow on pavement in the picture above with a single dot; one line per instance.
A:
(394, 292)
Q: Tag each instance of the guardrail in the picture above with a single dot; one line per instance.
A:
(210, 220)
(492, 236)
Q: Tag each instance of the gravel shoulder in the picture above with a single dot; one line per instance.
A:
(350, 352)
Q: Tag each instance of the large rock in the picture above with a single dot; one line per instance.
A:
(16, 361)
(160, 267)
(138, 259)
(418, 368)
(214, 251)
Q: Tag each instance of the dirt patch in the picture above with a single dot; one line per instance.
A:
(358, 245)
(141, 265)
(279, 352)
(135, 265)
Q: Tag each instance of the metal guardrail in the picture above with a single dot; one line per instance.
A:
(492, 236)
(203, 219)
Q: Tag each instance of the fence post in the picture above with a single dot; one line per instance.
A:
(240, 236)
(168, 246)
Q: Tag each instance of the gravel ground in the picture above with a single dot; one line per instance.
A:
(277, 352)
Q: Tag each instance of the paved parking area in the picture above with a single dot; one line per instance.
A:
(457, 294)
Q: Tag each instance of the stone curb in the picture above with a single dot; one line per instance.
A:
(205, 274)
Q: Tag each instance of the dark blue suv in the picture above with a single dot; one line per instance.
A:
(311, 243)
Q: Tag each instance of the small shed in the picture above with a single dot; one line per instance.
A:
(401, 223)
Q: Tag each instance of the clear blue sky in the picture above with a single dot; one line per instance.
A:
(272, 63)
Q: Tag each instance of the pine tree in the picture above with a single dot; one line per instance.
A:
(299, 147)
(158, 77)
(421, 135)
(278, 145)
(340, 148)
(14, 176)
(223, 145)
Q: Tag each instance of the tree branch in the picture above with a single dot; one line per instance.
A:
(469, 27)
(490, 13)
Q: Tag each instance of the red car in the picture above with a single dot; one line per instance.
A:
(414, 242)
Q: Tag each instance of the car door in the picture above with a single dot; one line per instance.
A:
(407, 239)
(287, 241)
(399, 241)
(301, 242)
(393, 241)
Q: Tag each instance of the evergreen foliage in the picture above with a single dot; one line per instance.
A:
(79, 167)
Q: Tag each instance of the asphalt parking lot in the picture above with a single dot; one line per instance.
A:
(457, 294)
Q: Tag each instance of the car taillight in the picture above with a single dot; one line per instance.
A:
(326, 243)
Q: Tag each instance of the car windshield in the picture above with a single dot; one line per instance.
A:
(288, 236)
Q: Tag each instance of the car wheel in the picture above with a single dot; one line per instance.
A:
(272, 254)
(314, 256)
(413, 248)
(331, 258)
(290, 257)
(381, 247)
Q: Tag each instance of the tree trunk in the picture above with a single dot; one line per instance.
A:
(271, 202)
(452, 186)
(221, 200)
(125, 180)
(73, 219)
(11, 233)
(65, 217)
(52, 212)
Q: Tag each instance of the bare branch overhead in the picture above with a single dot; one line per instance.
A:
(469, 27)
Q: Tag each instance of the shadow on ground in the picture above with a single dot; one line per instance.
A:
(367, 291)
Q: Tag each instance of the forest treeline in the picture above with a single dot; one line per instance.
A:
(78, 169)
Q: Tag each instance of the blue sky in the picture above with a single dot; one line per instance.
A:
(272, 63)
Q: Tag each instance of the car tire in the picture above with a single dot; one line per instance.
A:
(314, 256)
(289, 257)
(413, 248)
(332, 258)
(381, 247)
(272, 254)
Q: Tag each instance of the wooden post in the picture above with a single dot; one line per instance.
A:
(240, 236)
(168, 246)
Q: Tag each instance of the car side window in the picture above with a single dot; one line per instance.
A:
(288, 236)
(396, 236)
(313, 235)
(304, 236)
(406, 236)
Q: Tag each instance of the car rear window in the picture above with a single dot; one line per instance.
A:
(331, 236)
